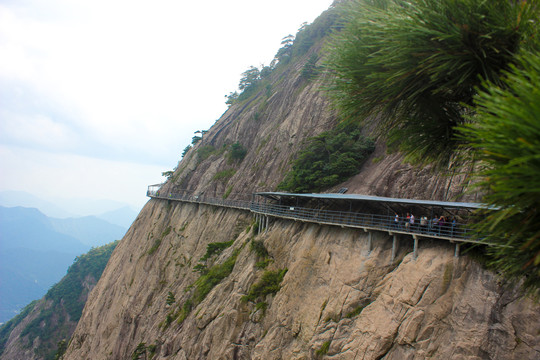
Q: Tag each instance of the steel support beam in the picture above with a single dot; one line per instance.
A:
(394, 246)
(415, 251)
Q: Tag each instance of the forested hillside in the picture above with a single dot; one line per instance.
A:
(36, 250)
(44, 326)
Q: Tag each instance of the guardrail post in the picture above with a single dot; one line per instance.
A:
(456, 252)
(370, 242)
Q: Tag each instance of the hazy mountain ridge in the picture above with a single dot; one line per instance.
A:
(35, 333)
(36, 250)
(90, 230)
(114, 212)
(24, 199)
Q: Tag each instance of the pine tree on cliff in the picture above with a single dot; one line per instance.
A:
(415, 67)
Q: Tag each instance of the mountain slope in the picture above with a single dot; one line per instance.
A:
(315, 291)
(36, 250)
(29, 228)
(90, 230)
(21, 198)
(35, 333)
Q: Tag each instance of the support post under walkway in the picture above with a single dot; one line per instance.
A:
(415, 250)
(395, 245)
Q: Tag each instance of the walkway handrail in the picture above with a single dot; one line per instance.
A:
(190, 196)
(448, 231)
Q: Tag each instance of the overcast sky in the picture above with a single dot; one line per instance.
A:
(98, 97)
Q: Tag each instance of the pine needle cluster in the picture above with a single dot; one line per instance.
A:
(413, 67)
(505, 137)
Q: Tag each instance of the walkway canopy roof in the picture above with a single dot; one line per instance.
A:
(377, 200)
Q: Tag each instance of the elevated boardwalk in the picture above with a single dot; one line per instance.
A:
(453, 232)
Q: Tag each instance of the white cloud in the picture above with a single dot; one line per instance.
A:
(57, 175)
(39, 130)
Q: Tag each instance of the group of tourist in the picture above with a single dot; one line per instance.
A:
(436, 226)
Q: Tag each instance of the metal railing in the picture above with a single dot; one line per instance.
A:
(430, 228)
(190, 196)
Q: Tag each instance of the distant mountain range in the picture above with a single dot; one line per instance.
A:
(21, 198)
(114, 212)
(54, 317)
(36, 250)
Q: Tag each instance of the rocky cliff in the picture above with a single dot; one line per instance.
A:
(193, 281)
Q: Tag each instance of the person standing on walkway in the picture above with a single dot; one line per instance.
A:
(423, 224)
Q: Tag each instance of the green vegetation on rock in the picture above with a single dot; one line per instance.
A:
(157, 241)
(210, 277)
(61, 308)
(270, 283)
(328, 159)
(323, 350)
(237, 152)
(215, 248)
(263, 257)
(224, 175)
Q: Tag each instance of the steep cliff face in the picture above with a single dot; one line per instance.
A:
(337, 299)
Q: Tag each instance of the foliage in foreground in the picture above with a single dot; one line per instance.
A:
(328, 159)
(412, 67)
(505, 136)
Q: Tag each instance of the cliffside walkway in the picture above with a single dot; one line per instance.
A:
(455, 233)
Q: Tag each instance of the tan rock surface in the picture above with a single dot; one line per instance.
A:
(336, 293)
(437, 306)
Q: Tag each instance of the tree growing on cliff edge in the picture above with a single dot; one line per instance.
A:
(413, 67)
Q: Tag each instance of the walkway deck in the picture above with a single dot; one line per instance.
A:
(455, 233)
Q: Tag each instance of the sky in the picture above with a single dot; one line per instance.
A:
(99, 97)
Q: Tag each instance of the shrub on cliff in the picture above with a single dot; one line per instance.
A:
(328, 159)
(270, 283)
(237, 152)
